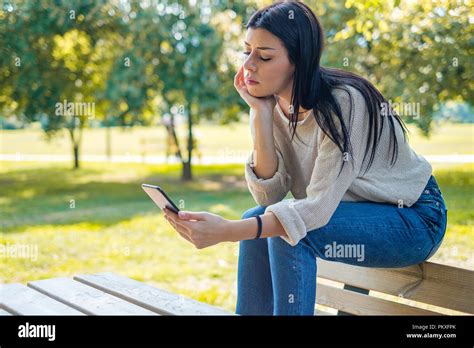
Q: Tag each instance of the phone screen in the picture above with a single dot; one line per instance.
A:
(160, 198)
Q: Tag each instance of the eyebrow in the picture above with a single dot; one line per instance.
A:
(260, 48)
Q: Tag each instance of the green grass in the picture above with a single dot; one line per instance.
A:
(457, 185)
(213, 140)
(115, 227)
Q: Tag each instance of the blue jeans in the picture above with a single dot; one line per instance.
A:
(275, 278)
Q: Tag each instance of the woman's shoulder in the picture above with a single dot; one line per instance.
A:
(347, 95)
(352, 103)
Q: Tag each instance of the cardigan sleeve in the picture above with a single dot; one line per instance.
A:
(326, 188)
(268, 191)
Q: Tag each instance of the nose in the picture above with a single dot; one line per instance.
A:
(249, 64)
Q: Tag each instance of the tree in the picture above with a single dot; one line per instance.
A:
(52, 62)
(415, 52)
(195, 74)
(137, 60)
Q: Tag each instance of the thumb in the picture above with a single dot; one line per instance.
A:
(187, 215)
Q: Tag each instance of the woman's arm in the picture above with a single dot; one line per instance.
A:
(264, 155)
(204, 229)
(262, 127)
(247, 228)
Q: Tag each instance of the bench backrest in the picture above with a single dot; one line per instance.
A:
(423, 289)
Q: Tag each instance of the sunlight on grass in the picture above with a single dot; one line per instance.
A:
(115, 227)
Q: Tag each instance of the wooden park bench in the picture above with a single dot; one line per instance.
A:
(97, 294)
(425, 289)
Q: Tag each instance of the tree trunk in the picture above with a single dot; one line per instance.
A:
(187, 174)
(76, 140)
(187, 169)
(76, 156)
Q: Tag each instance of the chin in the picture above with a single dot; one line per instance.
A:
(256, 93)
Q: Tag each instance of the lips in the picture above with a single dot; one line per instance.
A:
(250, 82)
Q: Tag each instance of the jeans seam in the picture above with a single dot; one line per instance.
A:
(299, 279)
(385, 227)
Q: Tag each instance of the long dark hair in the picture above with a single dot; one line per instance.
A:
(295, 24)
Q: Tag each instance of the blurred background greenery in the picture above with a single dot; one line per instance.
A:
(159, 75)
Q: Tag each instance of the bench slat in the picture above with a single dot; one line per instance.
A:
(21, 300)
(431, 283)
(148, 296)
(360, 304)
(85, 298)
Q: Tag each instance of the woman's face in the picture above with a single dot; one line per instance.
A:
(267, 63)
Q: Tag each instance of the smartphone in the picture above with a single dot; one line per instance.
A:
(160, 198)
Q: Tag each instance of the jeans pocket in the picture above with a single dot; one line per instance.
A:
(432, 210)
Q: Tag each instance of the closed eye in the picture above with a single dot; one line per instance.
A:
(264, 59)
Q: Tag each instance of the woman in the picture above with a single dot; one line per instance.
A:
(383, 208)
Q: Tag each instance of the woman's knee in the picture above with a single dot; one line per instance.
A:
(278, 248)
(257, 210)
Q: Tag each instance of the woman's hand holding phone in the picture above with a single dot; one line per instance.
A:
(202, 229)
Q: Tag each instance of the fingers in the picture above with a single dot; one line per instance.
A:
(196, 216)
(181, 225)
(178, 224)
(182, 231)
(238, 79)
